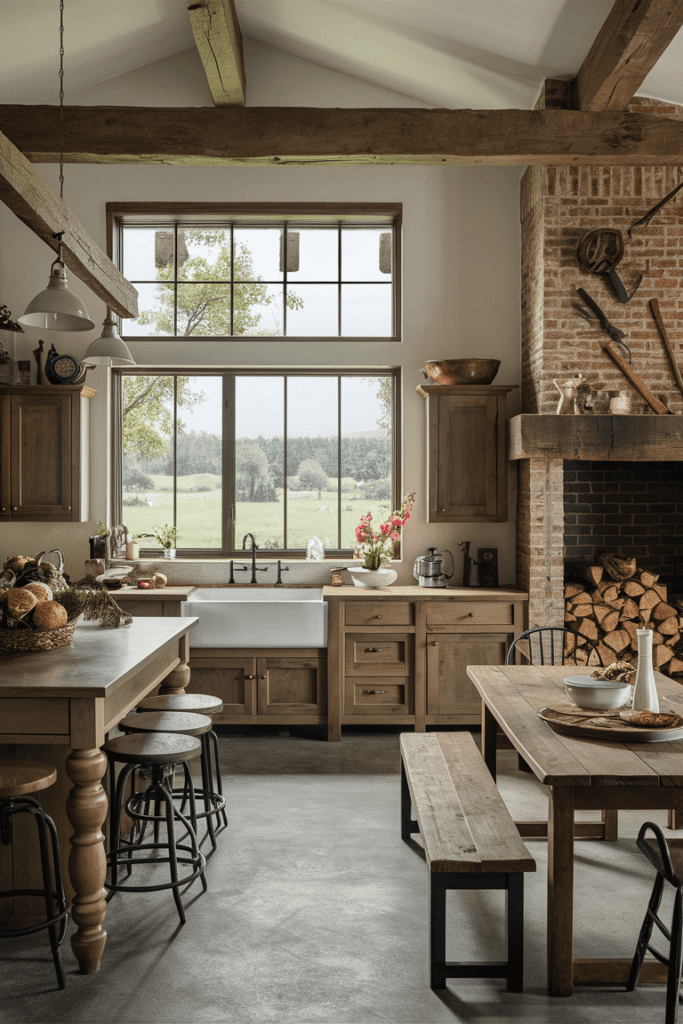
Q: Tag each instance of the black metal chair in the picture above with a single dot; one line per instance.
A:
(551, 645)
(667, 859)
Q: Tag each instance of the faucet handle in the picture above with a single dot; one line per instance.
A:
(280, 571)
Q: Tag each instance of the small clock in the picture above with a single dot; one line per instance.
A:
(63, 369)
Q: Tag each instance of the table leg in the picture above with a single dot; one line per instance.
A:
(561, 891)
(178, 678)
(489, 728)
(87, 809)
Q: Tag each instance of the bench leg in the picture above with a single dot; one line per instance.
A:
(408, 825)
(514, 906)
(437, 929)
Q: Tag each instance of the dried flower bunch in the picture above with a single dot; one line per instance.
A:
(376, 543)
(6, 321)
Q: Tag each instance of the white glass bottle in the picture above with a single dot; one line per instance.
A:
(644, 690)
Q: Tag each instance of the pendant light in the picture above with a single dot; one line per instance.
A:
(56, 308)
(109, 349)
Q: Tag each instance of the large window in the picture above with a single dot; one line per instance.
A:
(255, 271)
(285, 456)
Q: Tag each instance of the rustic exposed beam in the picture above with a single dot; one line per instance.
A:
(219, 41)
(308, 135)
(627, 47)
(28, 196)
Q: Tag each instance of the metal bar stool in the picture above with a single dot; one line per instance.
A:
(155, 756)
(667, 859)
(201, 726)
(17, 780)
(201, 704)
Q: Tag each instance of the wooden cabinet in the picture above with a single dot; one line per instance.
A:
(277, 687)
(467, 468)
(44, 453)
(449, 690)
(379, 674)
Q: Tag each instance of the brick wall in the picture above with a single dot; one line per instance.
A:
(632, 508)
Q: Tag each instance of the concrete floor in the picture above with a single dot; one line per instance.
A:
(317, 912)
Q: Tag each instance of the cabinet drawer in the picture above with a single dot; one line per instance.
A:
(379, 696)
(470, 613)
(379, 613)
(380, 653)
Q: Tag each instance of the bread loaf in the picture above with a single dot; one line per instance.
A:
(41, 591)
(20, 602)
(49, 615)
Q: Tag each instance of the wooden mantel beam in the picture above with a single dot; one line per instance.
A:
(311, 135)
(627, 47)
(28, 196)
(219, 42)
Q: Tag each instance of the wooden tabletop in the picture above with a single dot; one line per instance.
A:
(515, 693)
(94, 664)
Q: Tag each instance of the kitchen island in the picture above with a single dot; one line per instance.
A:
(66, 701)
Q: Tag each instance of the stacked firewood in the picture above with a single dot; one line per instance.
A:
(615, 601)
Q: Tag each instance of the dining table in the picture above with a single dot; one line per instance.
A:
(58, 706)
(580, 773)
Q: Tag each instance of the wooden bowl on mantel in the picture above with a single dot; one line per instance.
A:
(461, 371)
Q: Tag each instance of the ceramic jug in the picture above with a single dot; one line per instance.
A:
(568, 392)
(644, 690)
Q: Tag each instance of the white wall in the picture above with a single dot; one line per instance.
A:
(461, 258)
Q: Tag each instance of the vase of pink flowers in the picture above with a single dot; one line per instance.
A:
(375, 546)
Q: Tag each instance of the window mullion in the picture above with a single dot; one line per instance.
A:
(228, 510)
(339, 461)
(284, 477)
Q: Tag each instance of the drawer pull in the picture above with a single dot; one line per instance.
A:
(374, 691)
(378, 616)
(470, 615)
(249, 677)
(373, 650)
(262, 677)
(435, 643)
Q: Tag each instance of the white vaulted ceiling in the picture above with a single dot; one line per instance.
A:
(483, 54)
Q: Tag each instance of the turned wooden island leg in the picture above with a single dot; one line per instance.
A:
(87, 809)
(178, 678)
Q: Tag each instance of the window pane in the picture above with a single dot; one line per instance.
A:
(366, 416)
(199, 443)
(258, 310)
(144, 251)
(155, 312)
(204, 254)
(203, 309)
(366, 310)
(313, 254)
(312, 460)
(257, 254)
(364, 256)
(259, 461)
(147, 489)
(312, 309)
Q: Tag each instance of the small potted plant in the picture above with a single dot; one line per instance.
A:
(375, 546)
(98, 543)
(166, 536)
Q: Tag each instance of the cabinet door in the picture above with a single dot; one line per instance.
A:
(449, 690)
(5, 457)
(292, 686)
(467, 466)
(231, 679)
(41, 483)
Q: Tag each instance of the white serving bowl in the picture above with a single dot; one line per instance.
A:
(597, 694)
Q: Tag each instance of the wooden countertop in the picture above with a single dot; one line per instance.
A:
(94, 664)
(415, 593)
(154, 593)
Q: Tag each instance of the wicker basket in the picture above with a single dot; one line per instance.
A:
(36, 639)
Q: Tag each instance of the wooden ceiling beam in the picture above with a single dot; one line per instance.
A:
(28, 196)
(627, 47)
(263, 136)
(219, 41)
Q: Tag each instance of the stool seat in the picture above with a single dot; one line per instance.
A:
(153, 748)
(199, 703)
(167, 721)
(20, 777)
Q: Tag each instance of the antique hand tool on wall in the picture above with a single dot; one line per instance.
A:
(644, 221)
(657, 314)
(633, 377)
(596, 313)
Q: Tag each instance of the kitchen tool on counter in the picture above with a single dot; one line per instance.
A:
(657, 314)
(488, 567)
(595, 313)
(461, 371)
(428, 569)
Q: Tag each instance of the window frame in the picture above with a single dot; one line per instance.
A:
(260, 214)
(228, 509)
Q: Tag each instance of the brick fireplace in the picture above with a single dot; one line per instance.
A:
(593, 482)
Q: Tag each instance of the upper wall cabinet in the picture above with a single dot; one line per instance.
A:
(467, 468)
(44, 453)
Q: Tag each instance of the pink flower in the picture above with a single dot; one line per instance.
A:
(385, 527)
(406, 516)
(395, 535)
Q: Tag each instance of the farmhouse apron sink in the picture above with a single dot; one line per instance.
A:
(245, 617)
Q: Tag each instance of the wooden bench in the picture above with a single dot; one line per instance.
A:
(470, 842)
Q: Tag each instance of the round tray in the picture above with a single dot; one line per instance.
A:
(603, 725)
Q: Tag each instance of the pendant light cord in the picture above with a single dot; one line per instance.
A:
(61, 99)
